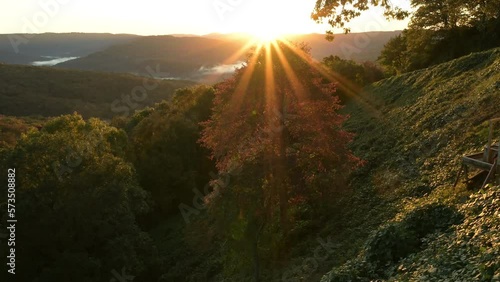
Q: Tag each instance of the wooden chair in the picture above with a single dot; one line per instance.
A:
(484, 161)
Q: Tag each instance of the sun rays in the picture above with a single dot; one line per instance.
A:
(270, 46)
(267, 36)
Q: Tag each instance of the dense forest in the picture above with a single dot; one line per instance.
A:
(48, 92)
(292, 169)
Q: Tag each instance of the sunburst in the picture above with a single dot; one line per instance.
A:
(266, 40)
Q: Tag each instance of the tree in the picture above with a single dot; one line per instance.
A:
(165, 151)
(482, 12)
(438, 31)
(339, 13)
(394, 55)
(441, 31)
(437, 15)
(358, 74)
(349, 69)
(276, 133)
(78, 202)
(484, 17)
(373, 72)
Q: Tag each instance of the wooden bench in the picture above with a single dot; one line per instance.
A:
(484, 161)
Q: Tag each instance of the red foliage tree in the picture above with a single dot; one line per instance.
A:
(276, 131)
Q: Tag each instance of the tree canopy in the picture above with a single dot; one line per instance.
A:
(164, 148)
(80, 199)
(339, 13)
(442, 30)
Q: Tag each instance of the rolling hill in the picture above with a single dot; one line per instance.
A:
(207, 58)
(189, 57)
(39, 47)
(44, 91)
(360, 47)
(180, 57)
(401, 219)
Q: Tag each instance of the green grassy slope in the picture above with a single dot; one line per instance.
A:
(418, 123)
(422, 121)
(32, 91)
(412, 130)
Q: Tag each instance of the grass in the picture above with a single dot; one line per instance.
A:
(412, 135)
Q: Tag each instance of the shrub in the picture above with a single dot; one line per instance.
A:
(398, 239)
(394, 241)
(389, 244)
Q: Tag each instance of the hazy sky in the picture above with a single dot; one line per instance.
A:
(151, 17)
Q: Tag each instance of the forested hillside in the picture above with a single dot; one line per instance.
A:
(44, 91)
(145, 191)
(89, 201)
(290, 164)
(177, 56)
(27, 48)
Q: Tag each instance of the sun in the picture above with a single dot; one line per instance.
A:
(266, 35)
(266, 27)
(265, 21)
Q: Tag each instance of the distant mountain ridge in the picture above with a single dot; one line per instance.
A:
(26, 48)
(180, 56)
(360, 47)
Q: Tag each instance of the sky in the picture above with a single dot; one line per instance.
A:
(157, 17)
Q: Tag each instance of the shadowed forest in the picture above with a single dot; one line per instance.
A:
(289, 168)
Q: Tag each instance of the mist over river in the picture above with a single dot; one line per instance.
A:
(51, 61)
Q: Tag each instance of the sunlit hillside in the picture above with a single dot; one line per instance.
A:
(250, 141)
(412, 130)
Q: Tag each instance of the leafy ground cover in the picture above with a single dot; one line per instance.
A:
(412, 130)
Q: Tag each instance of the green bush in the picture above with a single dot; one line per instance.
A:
(431, 218)
(389, 244)
(398, 239)
(353, 270)
(395, 241)
(469, 252)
